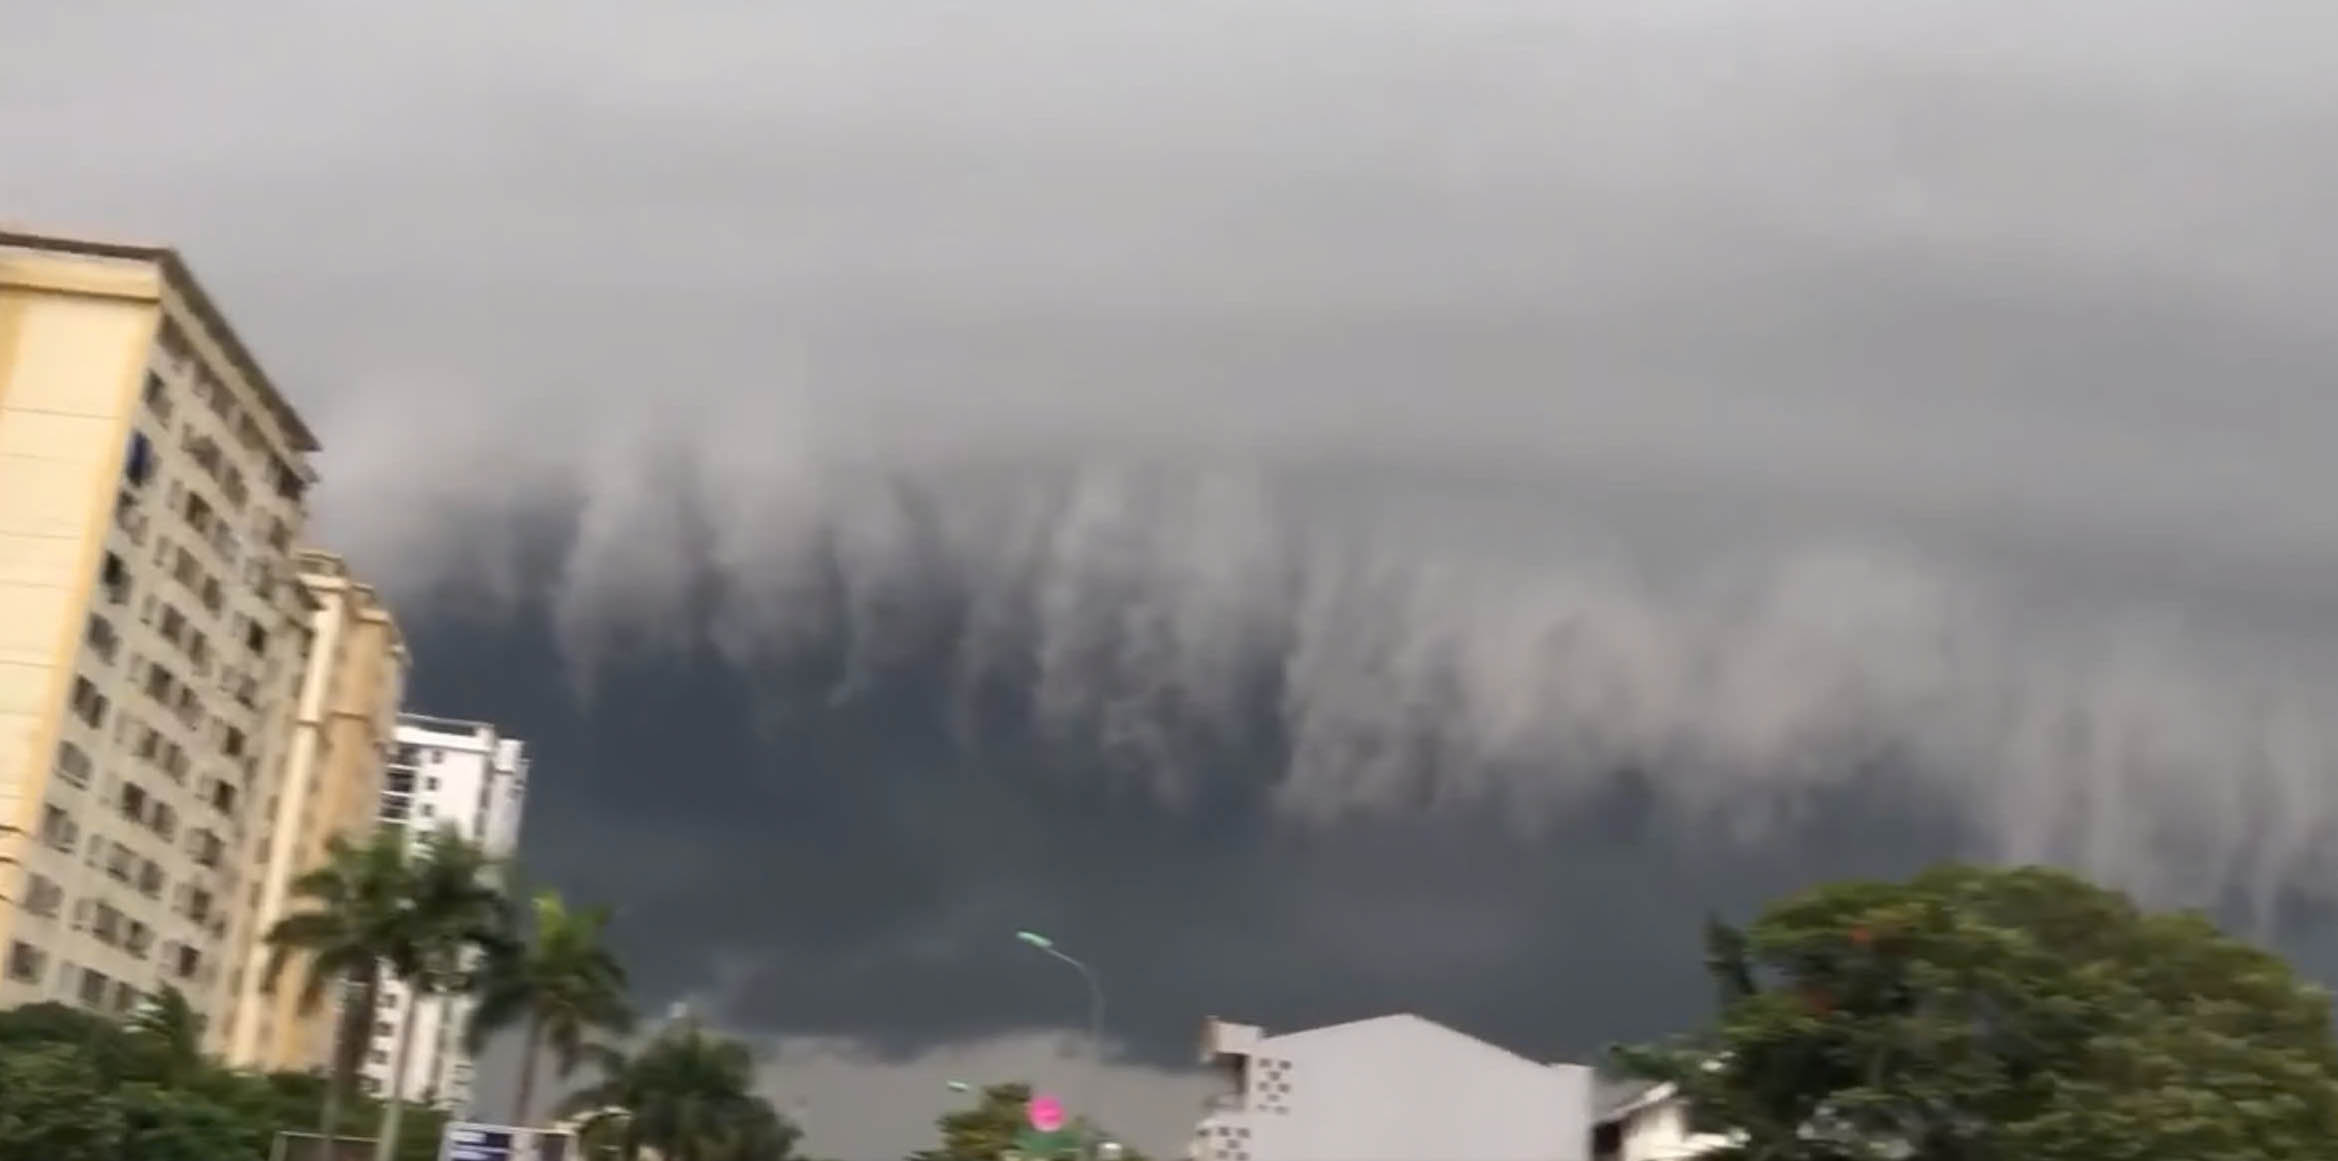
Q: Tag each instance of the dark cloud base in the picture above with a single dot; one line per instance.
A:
(854, 865)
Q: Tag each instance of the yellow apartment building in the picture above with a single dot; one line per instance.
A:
(342, 732)
(153, 482)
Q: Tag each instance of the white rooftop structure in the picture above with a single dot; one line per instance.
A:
(1392, 1088)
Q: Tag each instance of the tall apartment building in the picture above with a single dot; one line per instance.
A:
(468, 776)
(152, 484)
(342, 731)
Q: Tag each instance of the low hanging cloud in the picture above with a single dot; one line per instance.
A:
(1400, 652)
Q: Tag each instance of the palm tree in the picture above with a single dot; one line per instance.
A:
(689, 1097)
(171, 1033)
(357, 904)
(452, 913)
(560, 982)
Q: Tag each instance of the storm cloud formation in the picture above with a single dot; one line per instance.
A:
(1329, 507)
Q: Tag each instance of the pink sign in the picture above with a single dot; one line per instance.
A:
(1046, 1113)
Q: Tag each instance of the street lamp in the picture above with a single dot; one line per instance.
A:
(1095, 1032)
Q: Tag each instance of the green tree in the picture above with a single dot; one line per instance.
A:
(181, 1124)
(57, 1105)
(169, 1035)
(989, 1129)
(2002, 1015)
(559, 982)
(452, 913)
(75, 1085)
(349, 928)
(688, 1096)
(984, 1132)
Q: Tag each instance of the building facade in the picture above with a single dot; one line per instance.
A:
(342, 732)
(464, 775)
(1395, 1088)
(152, 483)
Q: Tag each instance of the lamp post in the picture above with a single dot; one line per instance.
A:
(1095, 1033)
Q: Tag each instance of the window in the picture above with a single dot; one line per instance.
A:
(139, 940)
(198, 904)
(58, 829)
(125, 996)
(42, 896)
(150, 879)
(122, 863)
(223, 797)
(379, 1056)
(189, 961)
(133, 802)
(208, 849)
(164, 820)
(93, 987)
(256, 638)
(157, 395)
(88, 704)
(26, 962)
(383, 1028)
(107, 926)
(102, 639)
(232, 743)
(138, 465)
(199, 513)
(73, 764)
(114, 577)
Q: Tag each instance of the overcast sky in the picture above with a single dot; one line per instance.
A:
(1326, 507)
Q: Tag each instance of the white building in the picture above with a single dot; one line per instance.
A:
(1393, 1088)
(1649, 1122)
(467, 775)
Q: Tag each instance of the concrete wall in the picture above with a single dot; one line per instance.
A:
(330, 786)
(74, 343)
(1397, 1088)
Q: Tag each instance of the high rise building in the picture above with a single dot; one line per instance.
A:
(152, 484)
(342, 731)
(467, 776)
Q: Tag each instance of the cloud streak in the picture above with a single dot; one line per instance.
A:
(1160, 617)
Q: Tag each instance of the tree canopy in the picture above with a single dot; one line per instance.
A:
(1975, 1014)
(75, 1086)
(555, 977)
(991, 1127)
(687, 1095)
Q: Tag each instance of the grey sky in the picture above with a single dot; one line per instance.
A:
(1237, 428)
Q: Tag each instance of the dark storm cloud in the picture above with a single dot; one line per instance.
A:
(857, 871)
(1169, 473)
